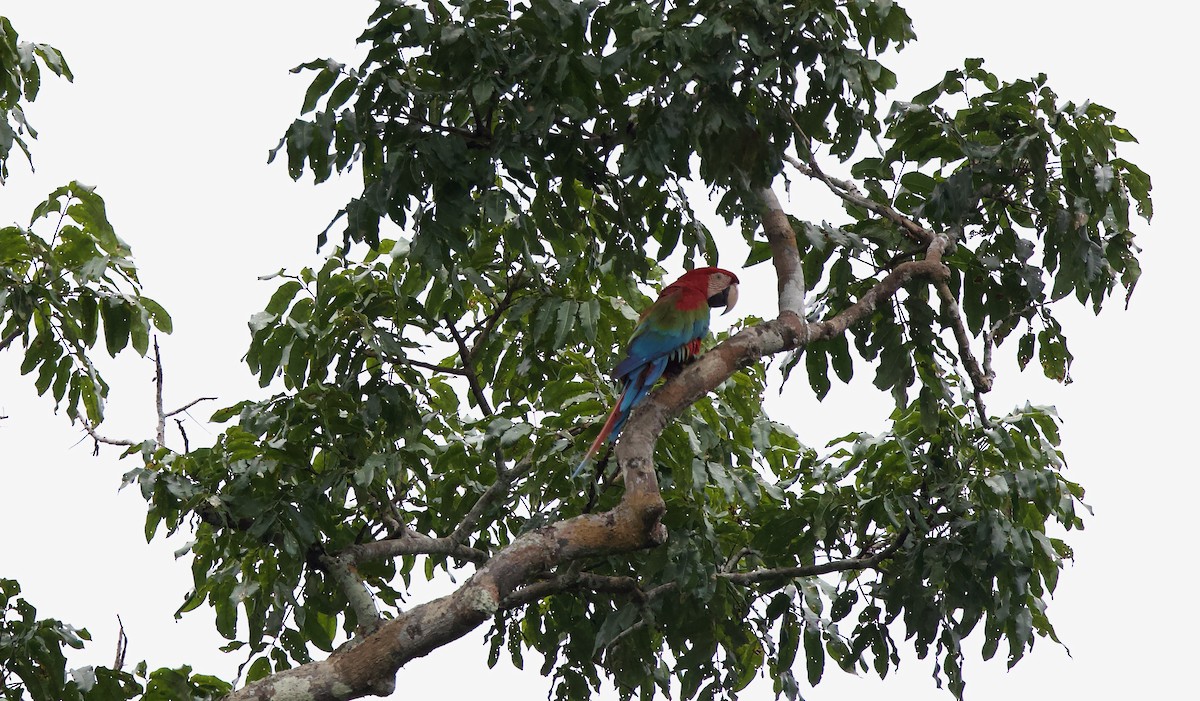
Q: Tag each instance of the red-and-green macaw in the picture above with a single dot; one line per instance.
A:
(668, 332)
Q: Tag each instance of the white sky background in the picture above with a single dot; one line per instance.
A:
(171, 115)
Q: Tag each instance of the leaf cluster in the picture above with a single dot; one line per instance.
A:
(21, 79)
(61, 292)
(33, 665)
(465, 111)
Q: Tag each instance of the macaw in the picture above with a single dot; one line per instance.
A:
(668, 333)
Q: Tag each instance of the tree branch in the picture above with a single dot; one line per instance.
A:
(356, 592)
(573, 581)
(489, 322)
(981, 379)
(410, 543)
(852, 563)
(464, 354)
(504, 480)
(161, 435)
(369, 667)
(849, 192)
(98, 439)
(436, 368)
(784, 255)
(7, 340)
(187, 406)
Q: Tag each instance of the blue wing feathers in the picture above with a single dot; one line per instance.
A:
(660, 337)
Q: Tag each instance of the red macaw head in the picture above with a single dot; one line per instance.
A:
(720, 287)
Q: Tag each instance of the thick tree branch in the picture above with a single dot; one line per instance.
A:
(369, 667)
(784, 255)
(356, 593)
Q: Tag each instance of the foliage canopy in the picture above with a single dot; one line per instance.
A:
(526, 169)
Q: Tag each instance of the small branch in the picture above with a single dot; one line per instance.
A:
(884, 289)
(641, 623)
(464, 353)
(490, 321)
(410, 543)
(737, 557)
(122, 645)
(573, 581)
(7, 340)
(981, 381)
(98, 439)
(853, 563)
(457, 131)
(158, 395)
(186, 448)
(987, 357)
(436, 368)
(504, 480)
(849, 192)
(189, 405)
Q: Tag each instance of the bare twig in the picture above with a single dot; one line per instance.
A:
(189, 405)
(98, 439)
(640, 624)
(122, 645)
(437, 368)
(489, 322)
(573, 581)
(504, 480)
(161, 436)
(737, 557)
(186, 448)
(853, 563)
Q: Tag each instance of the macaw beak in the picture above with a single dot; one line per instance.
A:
(731, 297)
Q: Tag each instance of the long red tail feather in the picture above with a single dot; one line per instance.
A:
(605, 431)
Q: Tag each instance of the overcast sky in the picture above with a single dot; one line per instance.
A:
(171, 115)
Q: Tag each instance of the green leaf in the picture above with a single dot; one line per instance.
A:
(116, 319)
(814, 653)
(259, 669)
(320, 85)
